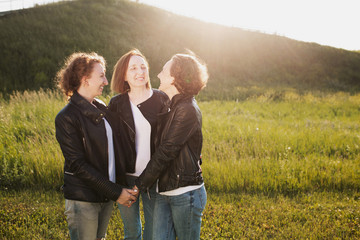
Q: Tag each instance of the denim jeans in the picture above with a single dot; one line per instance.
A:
(87, 220)
(179, 215)
(131, 215)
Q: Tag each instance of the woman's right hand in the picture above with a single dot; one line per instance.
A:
(136, 190)
(127, 197)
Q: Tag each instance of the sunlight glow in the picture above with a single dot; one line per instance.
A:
(327, 22)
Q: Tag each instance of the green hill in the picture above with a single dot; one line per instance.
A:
(34, 43)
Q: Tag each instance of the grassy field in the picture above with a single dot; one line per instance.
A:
(276, 166)
(29, 214)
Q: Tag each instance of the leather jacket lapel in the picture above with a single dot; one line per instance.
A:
(126, 113)
(89, 111)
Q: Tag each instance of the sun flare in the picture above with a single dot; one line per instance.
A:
(330, 23)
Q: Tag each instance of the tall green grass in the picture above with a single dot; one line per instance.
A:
(30, 155)
(296, 144)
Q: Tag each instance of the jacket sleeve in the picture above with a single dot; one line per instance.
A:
(71, 143)
(182, 126)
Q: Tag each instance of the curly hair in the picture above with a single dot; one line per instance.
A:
(118, 83)
(77, 66)
(189, 72)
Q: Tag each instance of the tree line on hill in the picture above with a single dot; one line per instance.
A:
(35, 42)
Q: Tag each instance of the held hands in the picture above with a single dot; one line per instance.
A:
(127, 197)
(136, 190)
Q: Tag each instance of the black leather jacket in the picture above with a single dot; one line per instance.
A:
(120, 104)
(176, 161)
(80, 131)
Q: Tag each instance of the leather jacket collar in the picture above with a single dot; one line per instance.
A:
(93, 113)
(171, 104)
(180, 98)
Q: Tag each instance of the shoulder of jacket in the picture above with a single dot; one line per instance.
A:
(68, 113)
(118, 98)
(159, 93)
(186, 107)
(161, 96)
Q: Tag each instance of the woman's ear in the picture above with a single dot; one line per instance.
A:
(84, 81)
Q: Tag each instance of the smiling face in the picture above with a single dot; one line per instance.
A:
(137, 74)
(96, 81)
(166, 80)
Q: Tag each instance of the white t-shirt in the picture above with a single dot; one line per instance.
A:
(142, 140)
(111, 158)
(181, 190)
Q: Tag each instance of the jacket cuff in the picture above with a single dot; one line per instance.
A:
(116, 194)
(140, 185)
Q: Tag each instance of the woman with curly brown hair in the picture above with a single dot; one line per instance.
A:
(175, 165)
(93, 161)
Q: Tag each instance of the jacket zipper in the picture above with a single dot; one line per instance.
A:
(129, 127)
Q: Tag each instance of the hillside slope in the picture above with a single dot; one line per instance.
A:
(34, 43)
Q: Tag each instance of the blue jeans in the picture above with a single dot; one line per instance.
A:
(179, 215)
(131, 215)
(87, 220)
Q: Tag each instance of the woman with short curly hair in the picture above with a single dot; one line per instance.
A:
(175, 165)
